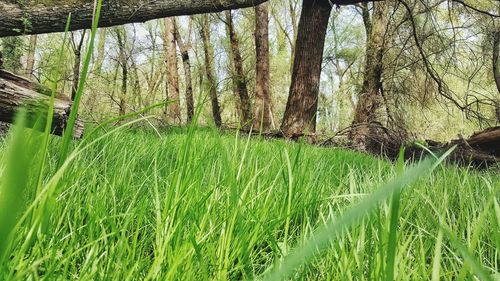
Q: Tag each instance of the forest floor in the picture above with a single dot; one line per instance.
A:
(201, 205)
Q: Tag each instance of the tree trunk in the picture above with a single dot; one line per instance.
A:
(186, 62)
(370, 99)
(301, 108)
(209, 69)
(30, 60)
(50, 16)
(76, 73)
(173, 108)
(136, 89)
(16, 91)
(123, 61)
(77, 50)
(496, 69)
(101, 52)
(263, 102)
(241, 89)
(292, 7)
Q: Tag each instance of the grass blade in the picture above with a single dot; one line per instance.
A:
(68, 133)
(323, 237)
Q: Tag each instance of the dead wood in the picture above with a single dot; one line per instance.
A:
(17, 92)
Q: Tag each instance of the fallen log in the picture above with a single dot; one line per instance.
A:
(487, 140)
(481, 150)
(17, 91)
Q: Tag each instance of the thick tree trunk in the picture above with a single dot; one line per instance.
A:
(301, 108)
(263, 102)
(186, 62)
(16, 92)
(173, 108)
(241, 89)
(370, 100)
(209, 69)
(30, 60)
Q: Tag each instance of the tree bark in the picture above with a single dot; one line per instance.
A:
(173, 108)
(16, 92)
(239, 78)
(301, 108)
(30, 60)
(263, 102)
(209, 69)
(370, 99)
(186, 62)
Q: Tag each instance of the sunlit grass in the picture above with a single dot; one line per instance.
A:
(200, 205)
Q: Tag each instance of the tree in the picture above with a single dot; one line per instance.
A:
(301, 108)
(496, 68)
(77, 51)
(121, 38)
(184, 49)
(50, 16)
(263, 102)
(240, 81)
(12, 49)
(30, 59)
(173, 109)
(101, 50)
(209, 68)
(370, 99)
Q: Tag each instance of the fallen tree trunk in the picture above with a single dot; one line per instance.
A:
(487, 140)
(481, 150)
(16, 92)
(36, 17)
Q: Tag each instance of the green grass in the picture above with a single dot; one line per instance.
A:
(198, 205)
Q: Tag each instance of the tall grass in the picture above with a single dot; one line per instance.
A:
(200, 205)
(194, 204)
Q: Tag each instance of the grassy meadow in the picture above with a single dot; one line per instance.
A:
(189, 204)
